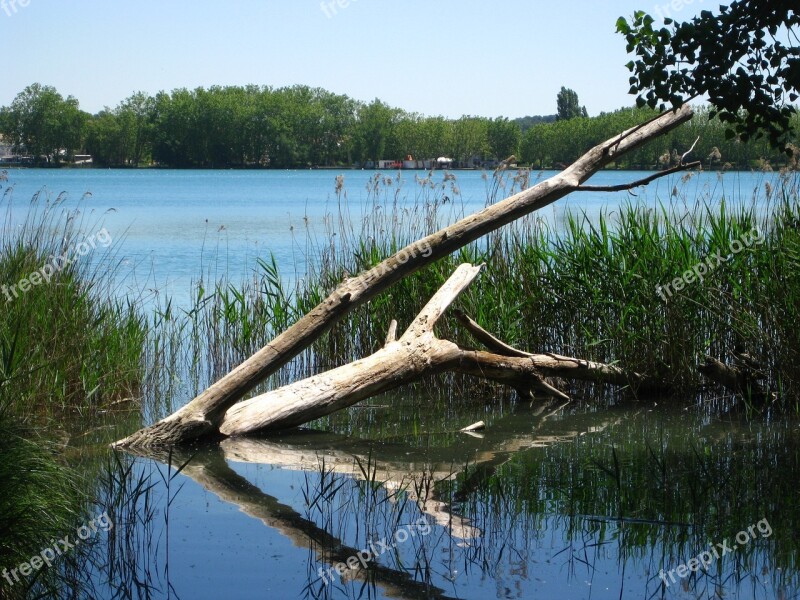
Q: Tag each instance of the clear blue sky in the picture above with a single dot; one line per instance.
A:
(449, 57)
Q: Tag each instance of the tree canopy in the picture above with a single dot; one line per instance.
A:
(568, 105)
(745, 60)
(43, 122)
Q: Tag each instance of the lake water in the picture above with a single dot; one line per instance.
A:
(569, 502)
(172, 227)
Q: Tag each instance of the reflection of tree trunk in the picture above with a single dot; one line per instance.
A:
(203, 415)
(417, 479)
(394, 466)
(209, 469)
(400, 467)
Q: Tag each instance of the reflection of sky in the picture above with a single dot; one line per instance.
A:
(546, 549)
(177, 226)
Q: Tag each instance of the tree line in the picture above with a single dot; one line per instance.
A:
(557, 144)
(300, 126)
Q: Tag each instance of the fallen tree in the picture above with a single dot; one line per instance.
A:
(417, 353)
(742, 379)
(205, 414)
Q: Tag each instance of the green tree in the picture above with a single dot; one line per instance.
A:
(745, 59)
(175, 140)
(43, 123)
(503, 137)
(535, 146)
(375, 128)
(136, 119)
(568, 105)
(104, 139)
(469, 138)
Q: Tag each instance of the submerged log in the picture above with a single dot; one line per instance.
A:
(205, 413)
(743, 379)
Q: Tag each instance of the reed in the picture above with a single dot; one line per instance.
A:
(66, 343)
(595, 287)
(70, 353)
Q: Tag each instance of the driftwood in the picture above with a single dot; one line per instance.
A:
(416, 354)
(743, 378)
(206, 412)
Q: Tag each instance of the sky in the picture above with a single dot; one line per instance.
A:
(450, 57)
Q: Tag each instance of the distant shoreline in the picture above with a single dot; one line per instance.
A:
(17, 167)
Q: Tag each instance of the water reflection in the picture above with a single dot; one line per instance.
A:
(563, 502)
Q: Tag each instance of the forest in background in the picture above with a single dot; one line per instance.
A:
(300, 127)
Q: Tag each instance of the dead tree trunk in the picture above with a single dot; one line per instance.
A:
(743, 379)
(416, 354)
(204, 414)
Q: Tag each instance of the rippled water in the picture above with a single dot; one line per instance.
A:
(171, 227)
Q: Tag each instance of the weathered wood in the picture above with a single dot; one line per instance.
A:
(203, 414)
(416, 354)
(549, 364)
(479, 426)
(742, 379)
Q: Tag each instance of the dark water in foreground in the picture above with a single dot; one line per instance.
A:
(547, 502)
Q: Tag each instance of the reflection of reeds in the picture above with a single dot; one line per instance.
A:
(40, 501)
(649, 491)
(127, 561)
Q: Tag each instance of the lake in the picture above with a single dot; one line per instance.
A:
(171, 227)
(389, 499)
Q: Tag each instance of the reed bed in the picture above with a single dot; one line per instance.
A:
(70, 351)
(591, 287)
(65, 341)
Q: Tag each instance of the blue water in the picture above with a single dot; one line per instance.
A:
(173, 227)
